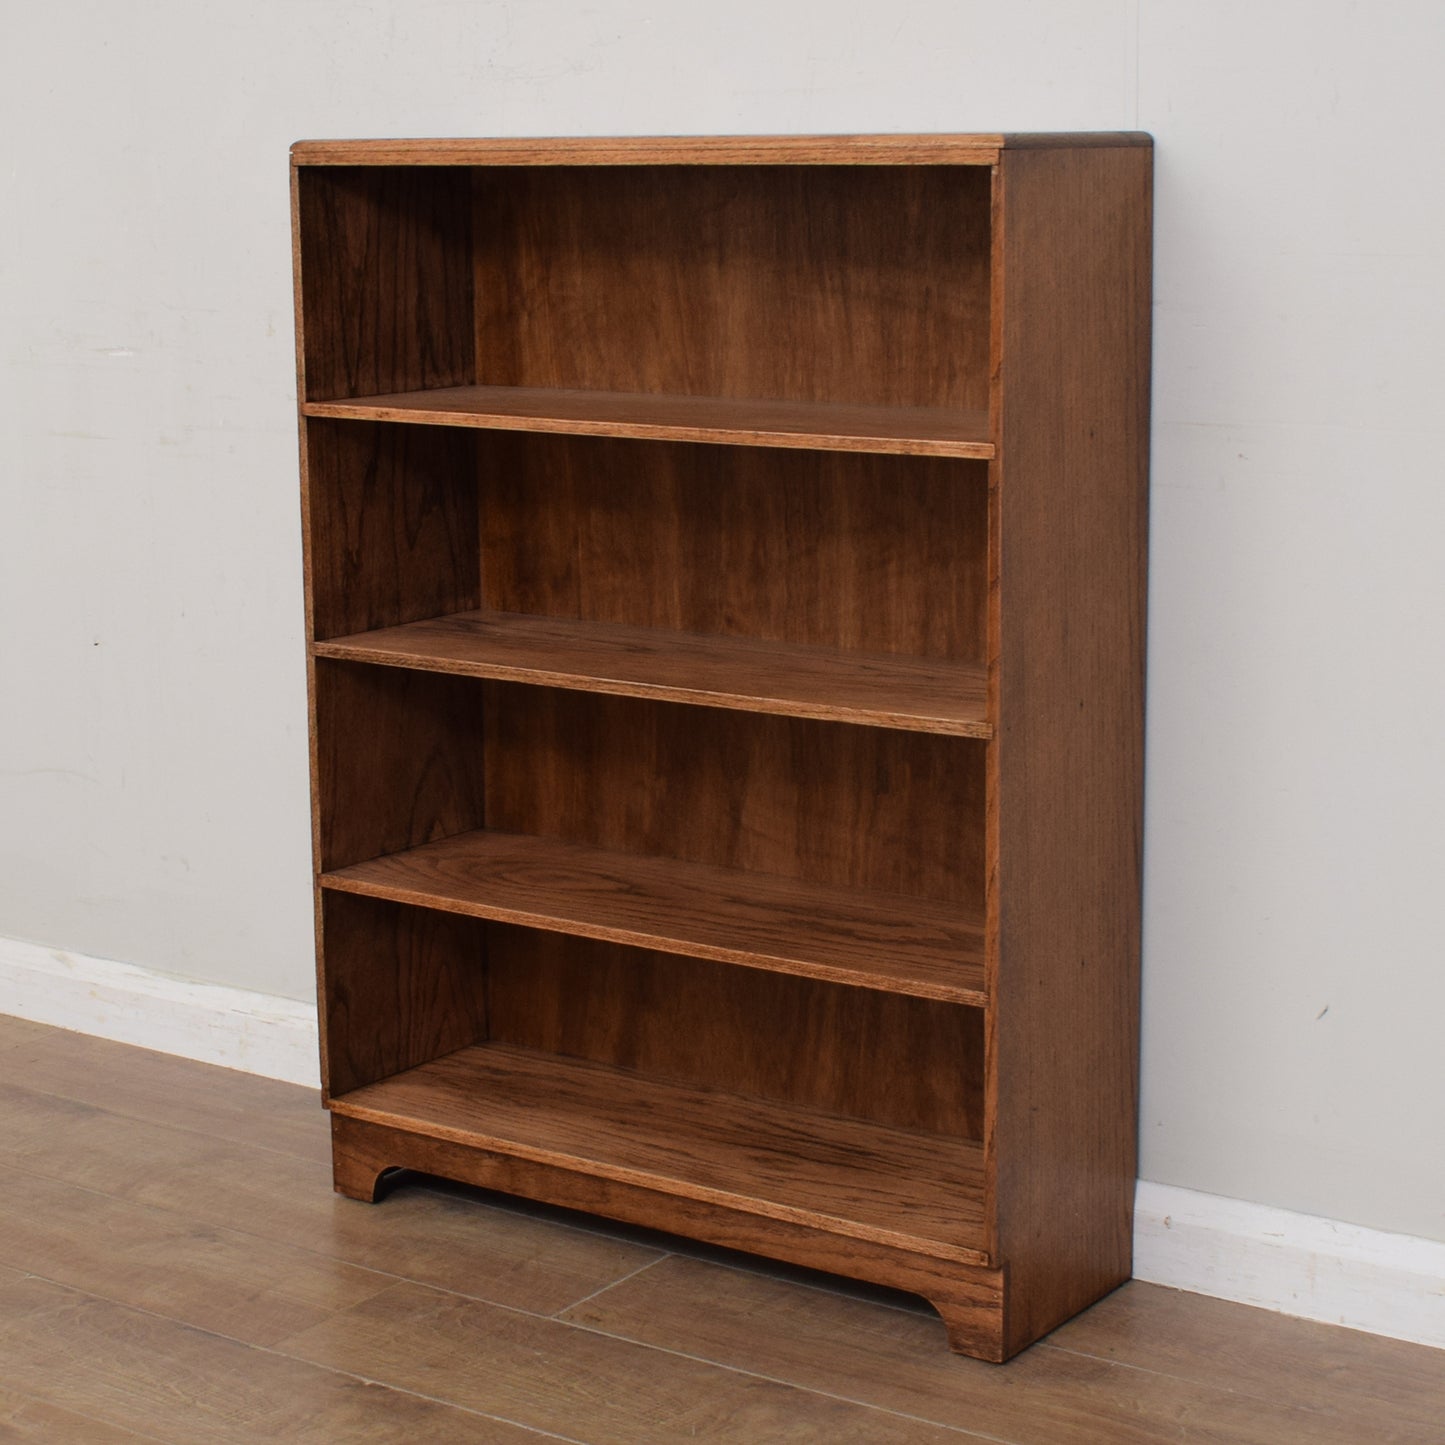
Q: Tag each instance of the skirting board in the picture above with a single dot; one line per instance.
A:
(1296, 1264)
(233, 1027)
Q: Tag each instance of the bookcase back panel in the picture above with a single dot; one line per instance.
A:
(398, 760)
(402, 986)
(386, 295)
(865, 553)
(393, 524)
(907, 1062)
(863, 284)
(824, 802)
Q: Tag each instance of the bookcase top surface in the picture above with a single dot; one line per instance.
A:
(700, 150)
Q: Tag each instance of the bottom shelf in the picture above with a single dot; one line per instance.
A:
(921, 1192)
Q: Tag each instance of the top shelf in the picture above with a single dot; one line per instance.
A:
(981, 150)
(818, 426)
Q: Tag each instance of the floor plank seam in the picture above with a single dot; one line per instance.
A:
(496, 1304)
(154, 1123)
(537, 1430)
(1324, 1412)
(958, 1430)
(839, 1286)
(280, 1353)
(210, 1224)
(611, 1284)
(597, 1230)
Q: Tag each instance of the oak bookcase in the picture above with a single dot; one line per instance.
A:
(725, 584)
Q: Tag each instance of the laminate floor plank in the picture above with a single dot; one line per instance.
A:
(1389, 1388)
(576, 1382)
(897, 1359)
(160, 1088)
(24, 1420)
(166, 1381)
(14, 1032)
(432, 1236)
(252, 1290)
(172, 1271)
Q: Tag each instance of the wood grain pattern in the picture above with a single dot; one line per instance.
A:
(515, 355)
(163, 1380)
(403, 985)
(904, 945)
(914, 694)
(890, 1356)
(550, 1376)
(826, 549)
(897, 149)
(1385, 1389)
(25, 1420)
(1073, 298)
(144, 1257)
(383, 281)
(144, 1084)
(656, 150)
(276, 1199)
(848, 807)
(398, 760)
(912, 1191)
(721, 420)
(970, 1296)
(1145, 1364)
(392, 522)
(906, 1062)
(852, 287)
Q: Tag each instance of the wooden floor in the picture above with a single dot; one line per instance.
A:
(175, 1267)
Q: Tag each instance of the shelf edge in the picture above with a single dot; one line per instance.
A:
(338, 650)
(656, 1183)
(653, 431)
(337, 882)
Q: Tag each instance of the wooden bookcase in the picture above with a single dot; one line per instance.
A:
(725, 588)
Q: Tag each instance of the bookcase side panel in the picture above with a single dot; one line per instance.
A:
(1074, 253)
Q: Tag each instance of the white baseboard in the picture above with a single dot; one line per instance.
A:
(1318, 1269)
(1297, 1264)
(233, 1027)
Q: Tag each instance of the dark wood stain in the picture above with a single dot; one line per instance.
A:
(864, 285)
(671, 651)
(839, 935)
(865, 1053)
(821, 802)
(383, 280)
(1067, 781)
(862, 554)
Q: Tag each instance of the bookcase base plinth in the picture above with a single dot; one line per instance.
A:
(969, 1298)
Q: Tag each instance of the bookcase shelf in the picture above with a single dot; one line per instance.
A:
(748, 1155)
(886, 941)
(725, 567)
(917, 694)
(906, 431)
